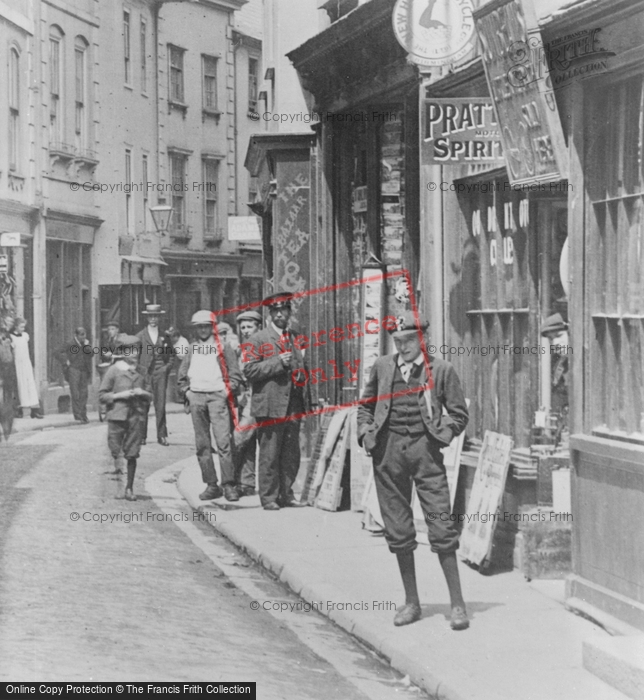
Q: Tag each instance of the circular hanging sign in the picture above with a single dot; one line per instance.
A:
(434, 32)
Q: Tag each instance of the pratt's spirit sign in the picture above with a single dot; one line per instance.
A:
(531, 132)
(434, 32)
(456, 131)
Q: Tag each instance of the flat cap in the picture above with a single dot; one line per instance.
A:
(249, 315)
(409, 322)
(201, 318)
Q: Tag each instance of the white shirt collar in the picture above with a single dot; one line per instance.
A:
(279, 331)
(418, 361)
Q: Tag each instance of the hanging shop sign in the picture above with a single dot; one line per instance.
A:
(526, 110)
(456, 131)
(434, 32)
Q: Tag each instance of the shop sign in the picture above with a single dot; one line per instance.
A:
(531, 133)
(456, 131)
(244, 228)
(9, 240)
(434, 32)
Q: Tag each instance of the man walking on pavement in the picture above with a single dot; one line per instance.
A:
(404, 433)
(155, 364)
(248, 323)
(276, 395)
(76, 359)
(202, 381)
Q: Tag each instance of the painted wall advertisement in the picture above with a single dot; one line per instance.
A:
(531, 133)
(292, 234)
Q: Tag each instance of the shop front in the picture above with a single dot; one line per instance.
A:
(606, 138)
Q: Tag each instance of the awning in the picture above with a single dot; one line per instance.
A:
(142, 260)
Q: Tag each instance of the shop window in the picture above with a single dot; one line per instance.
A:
(493, 310)
(614, 400)
(68, 301)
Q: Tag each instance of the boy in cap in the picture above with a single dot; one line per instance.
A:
(248, 323)
(276, 396)
(404, 433)
(122, 390)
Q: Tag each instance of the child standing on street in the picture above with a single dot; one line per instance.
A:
(127, 407)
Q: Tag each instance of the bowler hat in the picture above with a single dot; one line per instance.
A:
(249, 315)
(553, 324)
(408, 322)
(153, 310)
(279, 300)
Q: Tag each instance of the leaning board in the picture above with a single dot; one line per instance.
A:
(485, 499)
(330, 492)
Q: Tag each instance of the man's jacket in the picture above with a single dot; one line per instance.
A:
(270, 380)
(79, 357)
(446, 392)
(230, 366)
(161, 350)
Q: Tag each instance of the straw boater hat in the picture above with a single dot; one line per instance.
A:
(408, 323)
(153, 310)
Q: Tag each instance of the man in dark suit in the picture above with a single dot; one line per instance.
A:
(76, 359)
(271, 363)
(404, 432)
(154, 363)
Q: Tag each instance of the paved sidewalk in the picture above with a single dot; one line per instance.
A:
(522, 643)
(65, 420)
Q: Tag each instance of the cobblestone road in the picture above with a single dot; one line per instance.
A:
(136, 601)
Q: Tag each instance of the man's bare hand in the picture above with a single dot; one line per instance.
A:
(286, 358)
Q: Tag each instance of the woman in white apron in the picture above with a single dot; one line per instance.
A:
(27, 389)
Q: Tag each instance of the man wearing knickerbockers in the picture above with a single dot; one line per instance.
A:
(155, 364)
(272, 365)
(404, 432)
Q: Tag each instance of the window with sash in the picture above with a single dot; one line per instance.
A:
(178, 167)
(209, 82)
(176, 74)
(253, 82)
(55, 86)
(80, 89)
(144, 55)
(126, 47)
(14, 108)
(614, 258)
(211, 218)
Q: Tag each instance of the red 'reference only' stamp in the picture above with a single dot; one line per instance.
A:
(304, 341)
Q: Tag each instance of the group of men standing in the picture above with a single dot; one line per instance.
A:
(216, 381)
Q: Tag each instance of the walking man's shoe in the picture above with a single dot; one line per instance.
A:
(271, 506)
(292, 503)
(212, 491)
(246, 491)
(406, 615)
(163, 441)
(129, 495)
(231, 493)
(459, 619)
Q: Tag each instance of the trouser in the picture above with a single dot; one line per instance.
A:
(210, 410)
(126, 435)
(246, 442)
(397, 461)
(158, 383)
(279, 460)
(78, 389)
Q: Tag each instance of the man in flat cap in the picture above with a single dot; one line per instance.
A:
(404, 433)
(248, 323)
(555, 329)
(271, 363)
